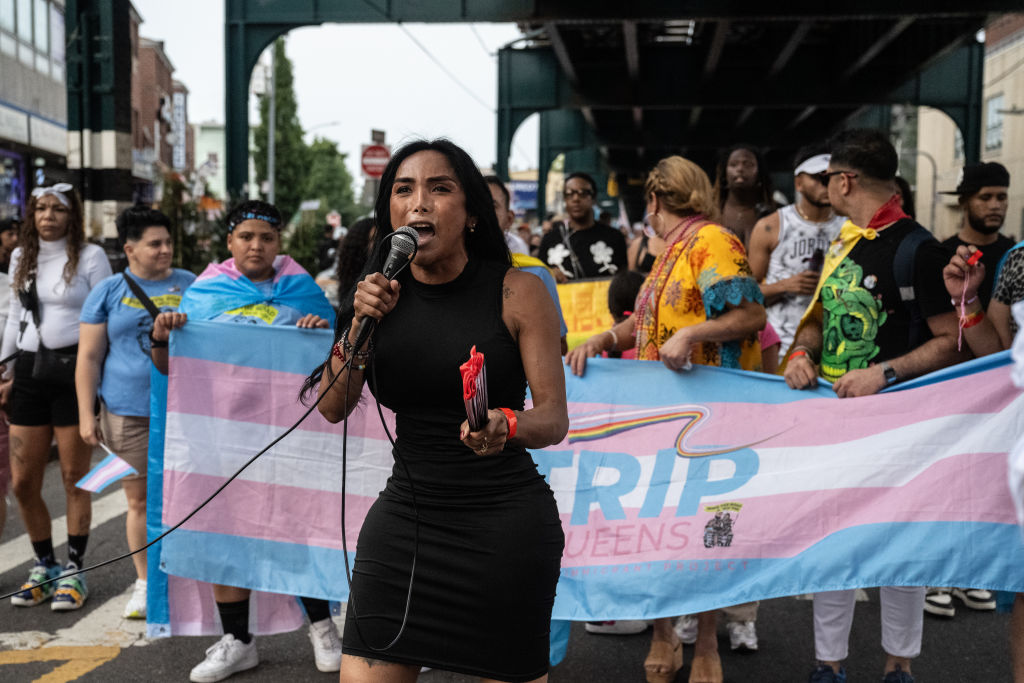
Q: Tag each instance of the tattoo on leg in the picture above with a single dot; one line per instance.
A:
(370, 662)
(507, 292)
(16, 447)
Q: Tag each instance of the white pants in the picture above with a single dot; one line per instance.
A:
(902, 622)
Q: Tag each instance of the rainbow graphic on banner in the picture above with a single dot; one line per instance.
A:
(604, 430)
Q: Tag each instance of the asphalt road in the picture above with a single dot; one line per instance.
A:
(95, 644)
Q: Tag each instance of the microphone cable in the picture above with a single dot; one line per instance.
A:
(344, 538)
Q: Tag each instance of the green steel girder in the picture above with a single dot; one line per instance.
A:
(250, 26)
(98, 65)
(564, 131)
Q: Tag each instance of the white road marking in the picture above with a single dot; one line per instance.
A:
(102, 626)
(18, 550)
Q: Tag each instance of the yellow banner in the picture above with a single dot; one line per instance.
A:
(585, 309)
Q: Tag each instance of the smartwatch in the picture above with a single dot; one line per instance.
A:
(889, 372)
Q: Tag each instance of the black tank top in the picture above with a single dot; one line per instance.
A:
(420, 345)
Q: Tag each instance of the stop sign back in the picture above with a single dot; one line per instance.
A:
(374, 159)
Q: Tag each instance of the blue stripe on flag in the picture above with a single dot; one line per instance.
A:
(96, 480)
(281, 348)
(287, 568)
(649, 590)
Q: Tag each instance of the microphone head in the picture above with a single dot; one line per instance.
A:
(405, 241)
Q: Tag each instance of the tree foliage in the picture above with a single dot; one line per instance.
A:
(290, 153)
(302, 172)
(330, 182)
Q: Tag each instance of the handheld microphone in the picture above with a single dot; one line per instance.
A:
(404, 243)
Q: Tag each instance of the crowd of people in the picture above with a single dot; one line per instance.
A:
(841, 285)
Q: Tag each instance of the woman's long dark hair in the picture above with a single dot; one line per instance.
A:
(486, 242)
(355, 249)
(28, 240)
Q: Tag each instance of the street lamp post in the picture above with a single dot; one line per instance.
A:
(271, 128)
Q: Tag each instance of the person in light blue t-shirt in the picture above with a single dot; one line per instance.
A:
(114, 357)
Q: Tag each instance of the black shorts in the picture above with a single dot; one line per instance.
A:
(35, 403)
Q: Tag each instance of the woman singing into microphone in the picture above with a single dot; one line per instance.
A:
(490, 540)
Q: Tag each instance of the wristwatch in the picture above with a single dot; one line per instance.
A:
(889, 372)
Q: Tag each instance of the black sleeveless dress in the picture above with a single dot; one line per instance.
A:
(490, 540)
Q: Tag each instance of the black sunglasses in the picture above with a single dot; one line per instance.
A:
(825, 177)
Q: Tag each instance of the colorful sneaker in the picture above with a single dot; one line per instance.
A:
(326, 645)
(622, 627)
(742, 635)
(227, 656)
(939, 602)
(31, 594)
(898, 676)
(976, 598)
(71, 591)
(686, 629)
(825, 674)
(136, 605)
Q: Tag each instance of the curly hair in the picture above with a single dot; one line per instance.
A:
(28, 242)
(766, 203)
(682, 186)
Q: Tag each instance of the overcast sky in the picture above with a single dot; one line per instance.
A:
(350, 78)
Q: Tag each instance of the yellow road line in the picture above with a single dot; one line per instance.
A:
(79, 660)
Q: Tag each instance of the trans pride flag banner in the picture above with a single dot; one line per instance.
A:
(678, 492)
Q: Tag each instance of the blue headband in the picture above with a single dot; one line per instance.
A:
(253, 216)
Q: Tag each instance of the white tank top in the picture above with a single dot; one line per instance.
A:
(799, 239)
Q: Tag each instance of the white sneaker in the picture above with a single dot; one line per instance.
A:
(742, 635)
(227, 656)
(686, 629)
(326, 645)
(975, 598)
(136, 606)
(622, 627)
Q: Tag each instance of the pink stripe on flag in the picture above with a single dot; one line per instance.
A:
(102, 477)
(231, 512)
(226, 269)
(225, 391)
(771, 522)
(193, 611)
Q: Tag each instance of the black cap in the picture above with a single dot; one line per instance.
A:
(973, 177)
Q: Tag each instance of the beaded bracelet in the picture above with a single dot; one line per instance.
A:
(340, 355)
(347, 346)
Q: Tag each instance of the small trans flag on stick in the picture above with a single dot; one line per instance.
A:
(109, 470)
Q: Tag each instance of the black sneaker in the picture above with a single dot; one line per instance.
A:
(898, 676)
(825, 674)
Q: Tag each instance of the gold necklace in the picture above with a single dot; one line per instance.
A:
(796, 205)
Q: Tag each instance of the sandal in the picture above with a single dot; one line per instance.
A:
(663, 656)
(706, 669)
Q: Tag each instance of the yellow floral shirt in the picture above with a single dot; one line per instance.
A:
(693, 281)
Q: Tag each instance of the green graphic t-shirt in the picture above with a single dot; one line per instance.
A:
(864, 320)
